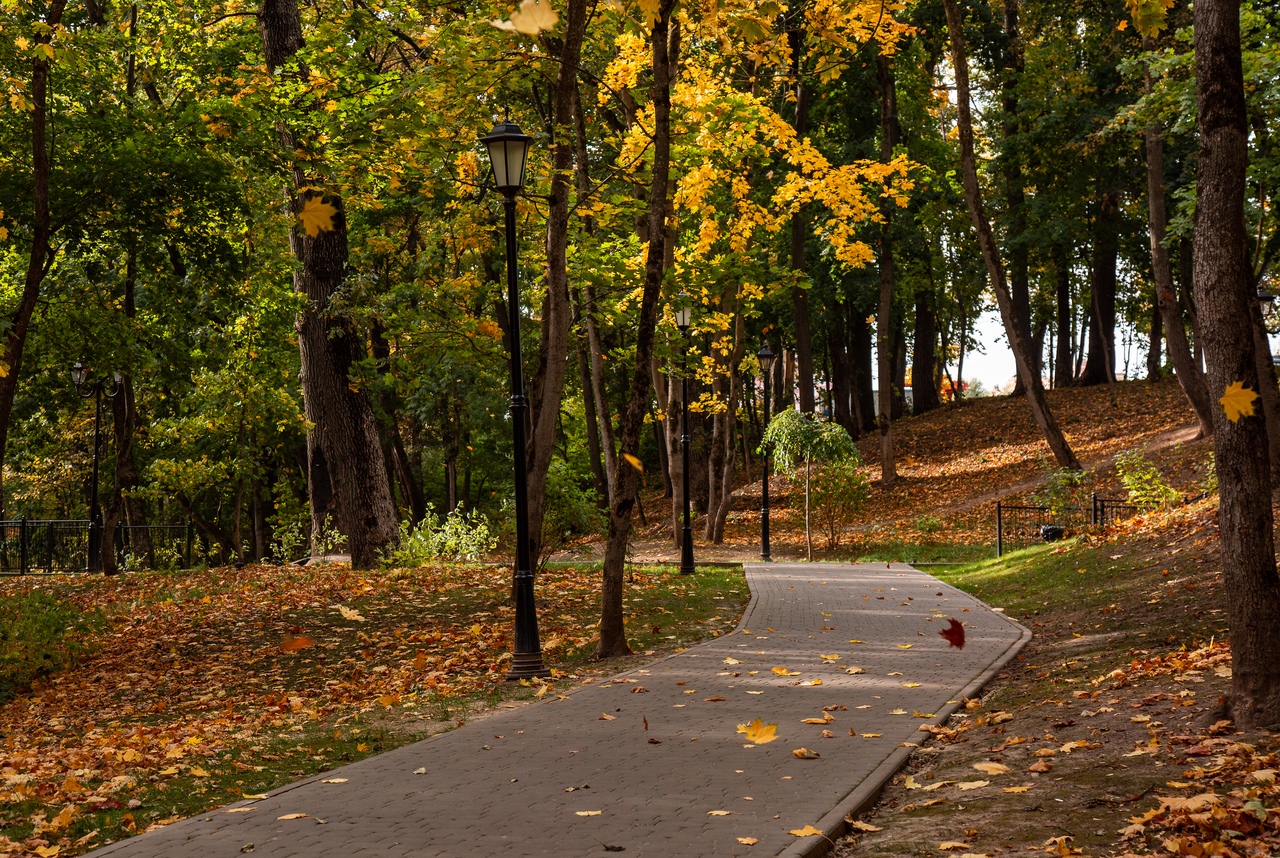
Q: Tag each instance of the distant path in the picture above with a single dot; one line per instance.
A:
(582, 776)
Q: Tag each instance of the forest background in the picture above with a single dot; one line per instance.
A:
(272, 220)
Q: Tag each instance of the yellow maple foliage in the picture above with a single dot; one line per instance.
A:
(1238, 401)
(758, 732)
(316, 216)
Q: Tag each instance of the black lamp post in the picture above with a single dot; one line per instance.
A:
(766, 357)
(88, 387)
(508, 152)
(683, 313)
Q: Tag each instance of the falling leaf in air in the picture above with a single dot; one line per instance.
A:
(992, 768)
(1237, 402)
(954, 633)
(759, 733)
(748, 841)
(316, 216)
(531, 18)
(631, 460)
(293, 816)
(293, 643)
(349, 614)
(807, 831)
(805, 754)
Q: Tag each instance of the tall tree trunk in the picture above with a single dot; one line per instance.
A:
(667, 392)
(995, 268)
(1269, 393)
(721, 501)
(1155, 343)
(1100, 365)
(1185, 367)
(924, 385)
(396, 457)
(40, 257)
(800, 233)
(889, 135)
(1063, 370)
(547, 390)
(1011, 164)
(345, 430)
(1223, 295)
(666, 41)
(124, 425)
(864, 397)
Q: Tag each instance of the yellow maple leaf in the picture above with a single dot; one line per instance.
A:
(1237, 402)
(748, 841)
(316, 216)
(634, 462)
(807, 831)
(758, 732)
(532, 18)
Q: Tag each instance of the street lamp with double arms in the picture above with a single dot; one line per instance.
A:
(683, 314)
(508, 149)
(766, 357)
(87, 386)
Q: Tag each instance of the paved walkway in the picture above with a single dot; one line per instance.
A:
(650, 763)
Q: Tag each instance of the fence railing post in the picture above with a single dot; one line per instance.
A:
(999, 529)
(191, 532)
(24, 545)
(1093, 509)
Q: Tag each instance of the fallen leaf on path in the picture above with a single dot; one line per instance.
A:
(719, 812)
(825, 719)
(239, 810)
(905, 646)
(936, 785)
(952, 846)
(758, 732)
(293, 816)
(1017, 789)
(782, 671)
(732, 661)
(910, 782)
(805, 754)
(854, 671)
(1040, 766)
(748, 841)
(587, 812)
(967, 785)
(859, 825)
(992, 768)
(807, 831)
(605, 716)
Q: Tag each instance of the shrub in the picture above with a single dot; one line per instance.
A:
(1063, 489)
(839, 491)
(458, 536)
(39, 636)
(1143, 481)
(929, 524)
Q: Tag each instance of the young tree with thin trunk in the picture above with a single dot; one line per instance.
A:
(890, 132)
(995, 267)
(1223, 293)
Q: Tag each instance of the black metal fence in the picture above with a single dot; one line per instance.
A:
(34, 546)
(1022, 525)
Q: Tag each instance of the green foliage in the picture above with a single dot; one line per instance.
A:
(572, 509)
(929, 524)
(1143, 481)
(458, 536)
(840, 490)
(795, 438)
(39, 636)
(1209, 485)
(1063, 489)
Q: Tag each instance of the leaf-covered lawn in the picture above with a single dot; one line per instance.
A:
(205, 686)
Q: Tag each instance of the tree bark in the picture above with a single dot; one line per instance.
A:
(40, 257)
(924, 384)
(344, 440)
(665, 47)
(547, 390)
(1063, 369)
(889, 134)
(396, 456)
(1100, 365)
(799, 234)
(995, 269)
(1223, 295)
(1185, 367)
(1011, 163)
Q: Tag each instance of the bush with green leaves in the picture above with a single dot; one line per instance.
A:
(457, 536)
(40, 635)
(1143, 481)
(1064, 489)
(840, 490)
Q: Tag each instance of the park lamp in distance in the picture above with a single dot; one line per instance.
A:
(683, 313)
(508, 153)
(80, 374)
(766, 358)
(1265, 298)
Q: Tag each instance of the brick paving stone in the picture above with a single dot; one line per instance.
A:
(639, 798)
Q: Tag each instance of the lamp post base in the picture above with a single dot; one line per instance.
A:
(526, 665)
(686, 552)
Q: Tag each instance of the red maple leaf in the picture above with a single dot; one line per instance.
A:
(954, 634)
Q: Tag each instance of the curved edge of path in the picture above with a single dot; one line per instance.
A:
(845, 659)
